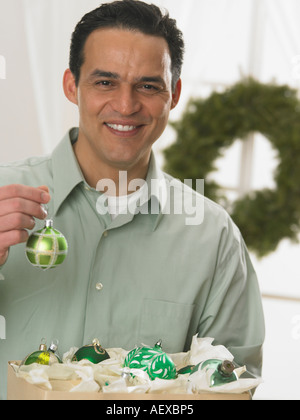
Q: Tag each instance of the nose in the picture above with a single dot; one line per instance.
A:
(126, 101)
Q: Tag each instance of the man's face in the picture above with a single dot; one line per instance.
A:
(124, 96)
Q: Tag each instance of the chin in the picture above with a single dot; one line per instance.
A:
(126, 162)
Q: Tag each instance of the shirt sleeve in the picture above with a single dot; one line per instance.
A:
(233, 314)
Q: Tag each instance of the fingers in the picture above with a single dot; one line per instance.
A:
(17, 221)
(44, 188)
(19, 205)
(39, 195)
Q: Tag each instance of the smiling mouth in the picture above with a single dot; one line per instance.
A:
(122, 128)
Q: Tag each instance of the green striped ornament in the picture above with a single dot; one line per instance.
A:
(46, 248)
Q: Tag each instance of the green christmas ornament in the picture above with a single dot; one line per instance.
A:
(153, 360)
(46, 248)
(223, 371)
(92, 352)
(42, 356)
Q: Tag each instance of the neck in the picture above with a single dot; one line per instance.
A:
(112, 179)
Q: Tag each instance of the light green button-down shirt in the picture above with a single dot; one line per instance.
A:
(137, 279)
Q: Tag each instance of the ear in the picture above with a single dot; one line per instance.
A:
(70, 88)
(176, 94)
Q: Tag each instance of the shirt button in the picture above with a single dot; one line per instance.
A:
(105, 234)
(99, 286)
(2, 277)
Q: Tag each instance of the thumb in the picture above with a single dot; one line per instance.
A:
(44, 188)
(47, 198)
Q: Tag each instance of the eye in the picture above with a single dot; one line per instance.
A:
(148, 88)
(105, 83)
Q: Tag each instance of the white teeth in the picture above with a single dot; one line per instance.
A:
(119, 127)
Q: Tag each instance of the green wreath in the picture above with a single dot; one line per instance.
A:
(209, 126)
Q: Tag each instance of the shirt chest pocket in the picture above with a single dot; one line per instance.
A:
(166, 321)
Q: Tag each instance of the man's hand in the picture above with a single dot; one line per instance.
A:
(19, 204)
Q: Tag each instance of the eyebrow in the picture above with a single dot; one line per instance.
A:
(110, 75)
(152, 79)
(102, 73)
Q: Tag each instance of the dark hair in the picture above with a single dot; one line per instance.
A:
(132, 15)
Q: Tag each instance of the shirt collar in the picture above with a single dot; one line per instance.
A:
(67, 175)
(66, 171)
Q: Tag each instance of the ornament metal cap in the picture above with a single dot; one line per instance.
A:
(49, 223)
(54, 345)
(159, 343)
(227, 367)
(43, 347)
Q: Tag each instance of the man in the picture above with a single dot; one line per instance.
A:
(135, 276)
